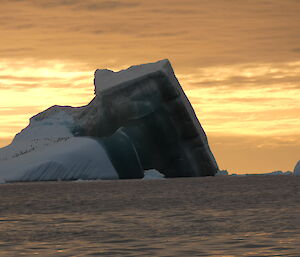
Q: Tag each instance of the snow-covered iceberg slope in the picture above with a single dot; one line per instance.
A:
(140, 119)
(76, 157)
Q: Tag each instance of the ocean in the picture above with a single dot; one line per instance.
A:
(210, 216)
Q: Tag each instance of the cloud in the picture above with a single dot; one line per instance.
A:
(245, 75)
(241, 100)
(157, 34)
(90, 5)
(244, 82)
(49, 3)
(246, 99)
(29, 74)
(18, 110)
(20, 78)
(18, 86)
(107, 5)
(16, 50)
(191, 33)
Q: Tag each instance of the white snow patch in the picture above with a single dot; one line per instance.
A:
(105, 78)
(39, 134)
(153, 174)
(58, 125)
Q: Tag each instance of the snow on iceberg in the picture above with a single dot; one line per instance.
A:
(39, 134)
(77, 157)
(140, 119)
(106, 79)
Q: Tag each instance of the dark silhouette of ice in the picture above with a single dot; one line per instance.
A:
(140, 119)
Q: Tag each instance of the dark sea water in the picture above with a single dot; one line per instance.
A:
(220, 216)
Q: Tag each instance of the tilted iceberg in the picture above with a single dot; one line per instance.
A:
(139, 119)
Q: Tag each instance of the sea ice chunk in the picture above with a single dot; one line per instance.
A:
(153, 174)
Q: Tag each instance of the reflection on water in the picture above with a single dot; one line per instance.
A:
(233, 216)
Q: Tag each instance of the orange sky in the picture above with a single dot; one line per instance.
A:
(237, 60)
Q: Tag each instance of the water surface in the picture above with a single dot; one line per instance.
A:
(220, 216)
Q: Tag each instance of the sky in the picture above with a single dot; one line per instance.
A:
(238, 61)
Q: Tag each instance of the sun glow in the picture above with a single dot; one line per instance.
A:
(29, 86)
(246, 99)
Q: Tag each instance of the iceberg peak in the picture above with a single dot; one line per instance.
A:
(105, 78)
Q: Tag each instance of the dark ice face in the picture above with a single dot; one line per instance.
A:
(160, 124)
(123, 155)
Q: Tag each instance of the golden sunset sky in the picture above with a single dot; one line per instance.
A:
(237, 60)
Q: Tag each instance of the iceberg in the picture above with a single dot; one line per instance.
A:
(297, 169)
(140, 119)
(222, 173)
